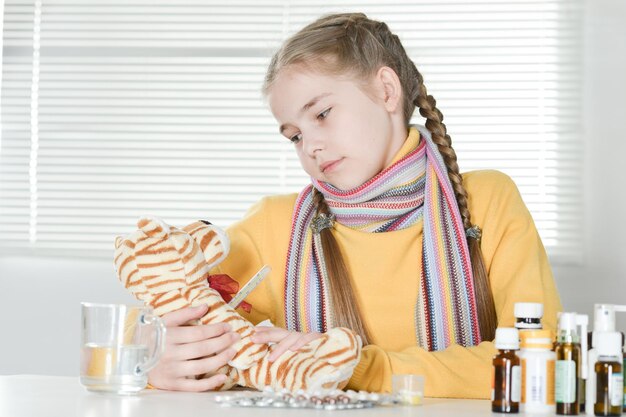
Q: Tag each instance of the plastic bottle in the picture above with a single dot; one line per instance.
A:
(506, 382)
(571, 363)
(603, 321)
(528, 315)
(609, 378)
(538, 362)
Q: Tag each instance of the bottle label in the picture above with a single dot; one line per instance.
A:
(523, 363)
(550, 382)
(617, 391)
(565, 381)
(516, 384)
(537, 381)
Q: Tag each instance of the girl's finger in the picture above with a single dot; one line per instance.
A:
(200, 349)
(190, 334)
(305, 340)
(262, 329)
(199, 385)
(184, 315)
(283, 346)
(269, 335)
(205, 365)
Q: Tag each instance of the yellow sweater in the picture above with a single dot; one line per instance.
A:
(385, 275)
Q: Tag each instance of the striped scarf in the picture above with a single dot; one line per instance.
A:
(412, 189)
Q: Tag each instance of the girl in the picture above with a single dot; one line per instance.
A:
(389, 239)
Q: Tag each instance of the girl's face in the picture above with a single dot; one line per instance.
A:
(342, 135)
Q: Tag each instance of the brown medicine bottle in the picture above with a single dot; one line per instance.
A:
(506, 382)
(571, 364)
(609, 377)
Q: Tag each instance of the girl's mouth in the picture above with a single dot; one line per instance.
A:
(329, 166)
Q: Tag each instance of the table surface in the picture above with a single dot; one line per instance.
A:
(51, 396)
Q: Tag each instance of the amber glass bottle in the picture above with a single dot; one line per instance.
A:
(608, 403)
(568, 371)
(506, 384)
(567, 354)
(609, 377)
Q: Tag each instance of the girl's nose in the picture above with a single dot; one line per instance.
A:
(313, 143)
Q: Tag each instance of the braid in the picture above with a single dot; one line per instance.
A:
(487, 317)
(427, 108)
(345, 305)
(416, 95)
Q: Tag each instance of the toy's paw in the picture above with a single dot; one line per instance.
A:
(341, 349)
(324, 363)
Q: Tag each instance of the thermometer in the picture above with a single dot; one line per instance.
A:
(250, 285)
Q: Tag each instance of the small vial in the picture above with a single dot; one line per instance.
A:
(609, 377)
(506, 382)
(528, 315)
(408, 389)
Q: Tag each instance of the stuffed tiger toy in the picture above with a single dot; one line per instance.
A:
(168, 268)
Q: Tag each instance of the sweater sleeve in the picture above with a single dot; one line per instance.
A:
(518, 272)
(261, 238)
(247, 237)
(456, 372)
(514, 255)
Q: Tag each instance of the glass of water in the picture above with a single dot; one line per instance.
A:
(119, 345)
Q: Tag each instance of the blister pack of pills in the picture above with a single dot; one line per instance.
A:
(323, 399)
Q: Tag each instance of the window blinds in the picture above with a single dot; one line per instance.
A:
(114, 109)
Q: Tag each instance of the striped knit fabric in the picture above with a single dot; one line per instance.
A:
(415, 188)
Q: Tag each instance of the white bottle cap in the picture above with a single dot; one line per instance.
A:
(567, 321)
(507, 338)
(608, 344)
(604, 316)
(528, 310)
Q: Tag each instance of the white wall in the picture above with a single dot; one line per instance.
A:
(603, 277)
(40, 297)
(40, 310)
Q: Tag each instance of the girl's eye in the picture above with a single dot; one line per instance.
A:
(296, 138)
(323, 114)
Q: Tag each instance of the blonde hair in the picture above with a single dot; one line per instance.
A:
(351, 43)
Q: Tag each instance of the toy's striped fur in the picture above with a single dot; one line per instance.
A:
(168, 268)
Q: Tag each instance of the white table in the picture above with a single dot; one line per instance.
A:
(52, 396)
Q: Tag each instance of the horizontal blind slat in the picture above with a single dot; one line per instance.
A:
(154, 106)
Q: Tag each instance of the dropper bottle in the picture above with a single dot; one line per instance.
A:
(571, 363)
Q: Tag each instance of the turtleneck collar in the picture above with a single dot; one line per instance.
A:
(411, 142)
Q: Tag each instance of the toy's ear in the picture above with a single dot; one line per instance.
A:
(125, 265)
(213, 241)
(153, 226)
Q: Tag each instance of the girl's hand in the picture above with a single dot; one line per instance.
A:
(191, 351)
(284, 339)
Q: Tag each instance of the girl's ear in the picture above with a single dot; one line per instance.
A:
(391, 89)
